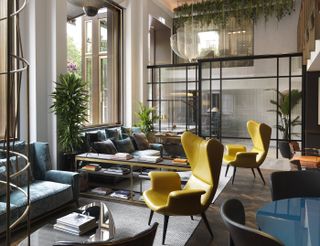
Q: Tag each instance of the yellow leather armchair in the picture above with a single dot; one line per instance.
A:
(166, 195)
(237, 155)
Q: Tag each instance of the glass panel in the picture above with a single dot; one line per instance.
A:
(88, 79)
(88, 35)
(106, 90)
(103, 35)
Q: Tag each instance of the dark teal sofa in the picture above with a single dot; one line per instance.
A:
(49, 189)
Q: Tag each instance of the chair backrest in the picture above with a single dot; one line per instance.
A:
(260, 134)
(233, 216)
(289, 184)
(205, 158)
(145, 238)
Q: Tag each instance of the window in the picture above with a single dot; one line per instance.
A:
(101, 65)
(3, 78)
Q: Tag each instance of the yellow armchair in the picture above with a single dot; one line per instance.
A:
(166, 195)
(237, 155)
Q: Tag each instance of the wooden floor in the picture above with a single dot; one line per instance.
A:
(253, 195)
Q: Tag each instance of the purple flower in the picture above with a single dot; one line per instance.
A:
(72, 67)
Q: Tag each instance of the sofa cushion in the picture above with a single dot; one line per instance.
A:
(141, 141)
(147, 152)
(105, 147)
(40, 159)
(124, 145)
(14, 214)
(39, 190)
(16, 164)
(17, 146)
(114, 133)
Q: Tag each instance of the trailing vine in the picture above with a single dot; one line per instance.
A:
(220, 11)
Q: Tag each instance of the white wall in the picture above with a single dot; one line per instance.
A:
(44, 39)
(136, 28)
(277, 37)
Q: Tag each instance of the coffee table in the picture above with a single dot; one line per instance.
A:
(47, 235)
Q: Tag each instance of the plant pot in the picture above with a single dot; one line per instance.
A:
(151, 137)
(67, 162)
(285, 150)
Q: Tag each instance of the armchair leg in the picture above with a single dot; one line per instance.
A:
(264, 183)
(191, 217)
(254, 174)
(234, 173)
(204, 217)
(227, 170)
(165, 226)
(150, 217)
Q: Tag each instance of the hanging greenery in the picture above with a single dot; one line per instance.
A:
(220, 11)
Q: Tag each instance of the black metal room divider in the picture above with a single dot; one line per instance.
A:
(216, 97)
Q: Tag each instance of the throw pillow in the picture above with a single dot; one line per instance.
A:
(124, 145)
(141, 141)
(114, 133)
(126, 132)
(105, 147)
(91, 137)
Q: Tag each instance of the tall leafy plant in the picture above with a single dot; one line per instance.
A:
(147, 117)
(70, 100)
(284, 107)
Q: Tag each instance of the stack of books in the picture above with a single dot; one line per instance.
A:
(123, 194)
(91, 167)
(116, 170)
(101, 191)
(75, 223)
(123, 156)
(151, 159)
(180, 161)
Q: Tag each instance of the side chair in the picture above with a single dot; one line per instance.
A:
(238, 156)
(233, 216)
(166, 195)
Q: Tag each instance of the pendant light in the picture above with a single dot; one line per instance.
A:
(90, 7)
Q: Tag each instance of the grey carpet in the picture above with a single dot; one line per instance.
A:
(131, 219)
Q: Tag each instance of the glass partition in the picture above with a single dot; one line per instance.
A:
(215, 100)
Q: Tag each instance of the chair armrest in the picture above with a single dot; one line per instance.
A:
(165, 181)
(157, 146)
(177, 201)
(245, 159)
(233, 149)
(64, 177)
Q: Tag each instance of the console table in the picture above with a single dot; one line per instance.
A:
(105, 159)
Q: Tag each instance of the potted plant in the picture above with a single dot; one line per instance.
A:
(147, 117)
(70, 100)
(283, 110)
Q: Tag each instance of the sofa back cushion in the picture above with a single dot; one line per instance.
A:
(124, 145)
(17, 146)
(114, 133)
(105, 147)
(40, 160)
(17, 163)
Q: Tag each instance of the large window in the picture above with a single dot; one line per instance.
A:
(15, 78)
(101, 68)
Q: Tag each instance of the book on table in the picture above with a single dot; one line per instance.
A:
(75, 223)
(91, 167)
(151, 159)
(101, 190)
(116, 170)
(124, 194)
(123, 156)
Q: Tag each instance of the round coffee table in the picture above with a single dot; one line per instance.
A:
(47, 235)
